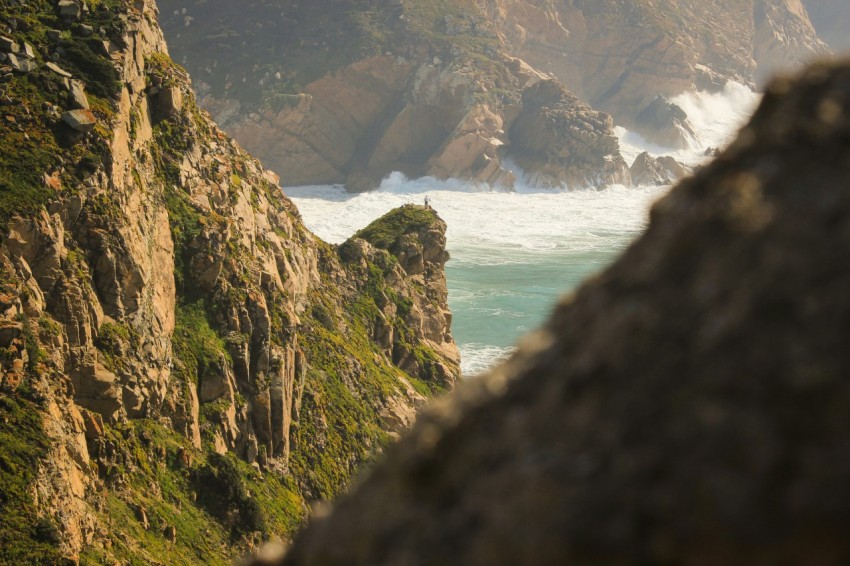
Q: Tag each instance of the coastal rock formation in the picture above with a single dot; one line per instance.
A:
(619, 58)
(561, 141)
(180, 353)
(687, 406)
(666, 124)
(648, 170)
(388, 85)
(436, 96)
(389, 113)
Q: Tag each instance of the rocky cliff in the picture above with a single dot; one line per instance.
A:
(343, 92)
(687, 406)
(428, 90)
(619, 57)
(185, 367)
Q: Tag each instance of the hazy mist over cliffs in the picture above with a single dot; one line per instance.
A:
(831, 19)
(243, 244)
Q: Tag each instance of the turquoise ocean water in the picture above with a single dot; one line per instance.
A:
(512, 254)
(515, 253)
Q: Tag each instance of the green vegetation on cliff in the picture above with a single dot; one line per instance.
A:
(384, 231)
(35, 141)
(271, 393)
(26, 537)
(317, 38)
(280, 47)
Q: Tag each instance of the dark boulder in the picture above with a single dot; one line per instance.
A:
(648, 170)
(562, 142)
(665, 123)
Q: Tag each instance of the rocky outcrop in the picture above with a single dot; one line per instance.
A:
(781, 29)
(658, 416)
(431, 90)
(415, 237)
(665, 124)
(427, 118)
(664, 170)
(439, 101)
(619, 59)
(189, 347)
(561, 142)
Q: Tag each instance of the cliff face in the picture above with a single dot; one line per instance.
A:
(198, 361)
(436, 87)
(619, 57)
(688, 406)
(436, 94)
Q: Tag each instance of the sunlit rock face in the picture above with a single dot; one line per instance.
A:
(431, 88)
(170, 329)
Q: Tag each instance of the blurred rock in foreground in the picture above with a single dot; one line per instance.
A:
(689, 405)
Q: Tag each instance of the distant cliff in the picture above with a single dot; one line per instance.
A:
(185, 367)
(342, 92)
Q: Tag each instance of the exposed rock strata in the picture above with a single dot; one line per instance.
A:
(620, 57)
(686, 406)
(429, 72)
(163, 302)
(439, 101)
(388, 113)
(648, 170)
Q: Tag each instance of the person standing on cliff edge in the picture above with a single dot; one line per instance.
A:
(427, 202)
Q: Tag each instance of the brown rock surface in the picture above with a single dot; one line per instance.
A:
(561, 142)
(404, 104)
(665, 123)
(439, 101)
(687, 406)
(619, 57)
(168, 290)
(648, 170)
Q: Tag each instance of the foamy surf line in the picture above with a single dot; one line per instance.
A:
(479, 358)
(516, 252)
(513, 254)
(715, 116)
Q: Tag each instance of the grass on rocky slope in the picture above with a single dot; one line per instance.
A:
(25, 537)
(34, 140)
(404, 220)
(261, 52)
(264, 49)
(211, 501)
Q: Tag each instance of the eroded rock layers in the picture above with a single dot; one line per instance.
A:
(339, 92)
(200, 363)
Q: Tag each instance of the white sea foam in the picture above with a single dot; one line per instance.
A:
(478, 358)
(716, 118)
(514, 253)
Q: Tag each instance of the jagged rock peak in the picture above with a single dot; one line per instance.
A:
(686, 406)
(664, 170)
